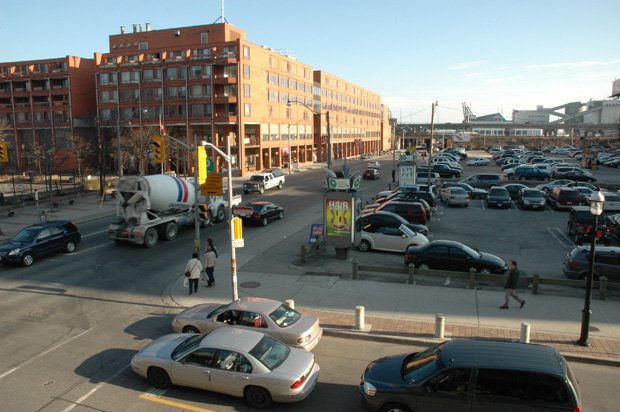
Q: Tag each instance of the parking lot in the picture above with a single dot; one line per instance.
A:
(536, 239)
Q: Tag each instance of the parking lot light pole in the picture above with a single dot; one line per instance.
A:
(596, 208)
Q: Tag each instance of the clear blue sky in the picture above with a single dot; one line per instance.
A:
(495, 55)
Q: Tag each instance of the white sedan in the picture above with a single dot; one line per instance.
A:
(391, 239)
(478, 161)
(454, 195)
(237, 362)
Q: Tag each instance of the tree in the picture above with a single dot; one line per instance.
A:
(81, 147)
(136, 145)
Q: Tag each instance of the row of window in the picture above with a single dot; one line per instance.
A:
(56, 116)
(25, 69)
(274, 79)
(196, 91)
(159, 75)
(34, 85)
(153, 112)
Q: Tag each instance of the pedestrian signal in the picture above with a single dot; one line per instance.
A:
(158, 149)
(204, 211)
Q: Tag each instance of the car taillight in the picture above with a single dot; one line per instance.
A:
(299, 382)
(255, 215)
(304, 339)
(577, 409)
(573, 264)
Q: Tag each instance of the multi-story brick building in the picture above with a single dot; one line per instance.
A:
(45, 104)
(209, 81)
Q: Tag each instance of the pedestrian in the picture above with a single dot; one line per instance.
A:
(512, 283)
(210, 243)
(393, 176)
(210, 265)
(192, 272)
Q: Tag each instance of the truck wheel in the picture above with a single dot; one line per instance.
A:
(221, 214)
(261, 190)
(151, 237)
(171, 231)
(280, 186)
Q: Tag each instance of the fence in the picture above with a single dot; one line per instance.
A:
(603, 285)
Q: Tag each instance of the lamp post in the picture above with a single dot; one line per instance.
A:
(290, 157)
(596, 208)
(430, 151)
(329, 135)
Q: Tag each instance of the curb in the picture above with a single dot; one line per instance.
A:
(351, 334)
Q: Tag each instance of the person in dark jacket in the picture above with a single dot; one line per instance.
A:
(512, 283)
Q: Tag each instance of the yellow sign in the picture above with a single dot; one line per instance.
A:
(212, 186)
(202, 165)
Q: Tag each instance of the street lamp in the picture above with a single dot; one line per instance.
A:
(596, 209)
(329, 135)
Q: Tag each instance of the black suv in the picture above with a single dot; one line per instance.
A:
(581, 222)
(38, 240)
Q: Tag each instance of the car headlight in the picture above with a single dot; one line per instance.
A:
(369, 389)
(526, 202)
(14, 252)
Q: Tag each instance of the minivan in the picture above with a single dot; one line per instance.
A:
(563, 198)
(484, 181)
(472, 375)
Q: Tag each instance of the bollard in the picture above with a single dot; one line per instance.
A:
(410, 272)
(355, 274)
(472, 280)
(535, 283)
(602, 291)
(440, 326)
(290, 303)
(525, 333)
(359, 318)
(302, 258)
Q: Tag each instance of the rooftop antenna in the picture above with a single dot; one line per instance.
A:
(221, 19)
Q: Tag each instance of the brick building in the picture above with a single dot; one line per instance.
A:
(45, 103)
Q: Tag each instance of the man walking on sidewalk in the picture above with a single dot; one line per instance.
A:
(512, 284)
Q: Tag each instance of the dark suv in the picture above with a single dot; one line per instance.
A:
(606, 262)
(581, 222)
(38, 240)
(563, 198)
(484, 181)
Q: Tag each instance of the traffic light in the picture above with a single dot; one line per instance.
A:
(159, 152)
(4, 152)
(204, 211)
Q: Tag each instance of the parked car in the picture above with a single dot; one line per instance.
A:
(455, 256)
(473, 192)
(371, 174)
(606, 263)
(264, 315)
(468, 375)
(484, 181)
(547, 187)
(532, 199)
(409, 195)
(389, 238)
(454, 196)
(612, 202)
(514, 189)
(529, 173)
(577, 175)
(584, 192)
(260, 212)
(478, 161)
(412, 212)
(498, 197)
(242, 363)
(374, 165)
(581, 222)
(380, 219)
(563, 198)
(36, 241)
(423, 178)
(445, 170)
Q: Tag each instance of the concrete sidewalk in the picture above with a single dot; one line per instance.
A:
(395, 312)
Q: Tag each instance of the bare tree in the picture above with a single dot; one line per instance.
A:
(81, 147)
(5, 128)
(137, 145)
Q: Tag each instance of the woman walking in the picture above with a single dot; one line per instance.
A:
(192, 272)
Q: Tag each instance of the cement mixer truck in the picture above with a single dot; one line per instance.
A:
(156, 206)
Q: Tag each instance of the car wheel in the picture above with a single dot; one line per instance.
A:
(221, 214)
(423, 266)
(394, 407)
(190, 329)
(256, 397)
(28, 259)
(546, 178)
(522, 178)
(280, 186)
(70, 246)
(364, 246)
(261, 190)
(281, 215)
(264, 221)
(485, 271)
(158, 378)
(171, 231)
(151, 237)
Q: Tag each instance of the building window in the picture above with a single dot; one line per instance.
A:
(200, 72)
(273, 79)
(175, 73)
(284, 82)
(246, 52)
(151, 93)
(246, 109)
(129, 95)
(151, 75)
(108, 96)
(107, 78)
(199, 90)
(204, 37)
(129, 77)
(246, 90)
(175, 92)
(246, 71)
(143, 46)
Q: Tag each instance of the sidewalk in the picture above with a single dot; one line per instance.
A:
(395, 312)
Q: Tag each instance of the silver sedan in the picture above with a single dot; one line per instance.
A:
(454, 195)
(232, 361)
(252, 313)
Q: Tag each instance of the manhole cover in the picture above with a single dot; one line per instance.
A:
(249, 285)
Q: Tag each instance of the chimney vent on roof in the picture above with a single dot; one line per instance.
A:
(140, 25)
(148, 26)
(135, 28)
(122, 29)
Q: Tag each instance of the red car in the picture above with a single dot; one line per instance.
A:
(411, 212)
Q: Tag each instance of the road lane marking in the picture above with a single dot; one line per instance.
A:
(79, 252)
(184, 406)
(95, 233)
(53, 348)
(93, 390)
(560, 236)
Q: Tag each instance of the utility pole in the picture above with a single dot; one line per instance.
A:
(329, 143)
(430, 152)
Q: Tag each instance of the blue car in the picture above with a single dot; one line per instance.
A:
(529, 173)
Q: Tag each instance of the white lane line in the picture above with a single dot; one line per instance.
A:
(53, 348)
(559, 236)
(94, 233)
(79, 252)
(93, 390)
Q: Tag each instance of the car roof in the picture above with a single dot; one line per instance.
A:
(263, 305)
(48, 224)
(502, 355)
(232, 338)
(255, 203)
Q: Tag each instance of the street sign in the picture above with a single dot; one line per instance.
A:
(210, 165)
(357, 180)
(213, 185)
(338, 184)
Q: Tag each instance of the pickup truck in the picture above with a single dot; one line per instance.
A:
(263, 181)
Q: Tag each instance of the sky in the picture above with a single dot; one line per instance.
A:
(496, 56)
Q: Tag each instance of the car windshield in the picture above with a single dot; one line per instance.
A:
(258, 208)
(419, 366)
(407, 231)
(284, 316)
(26, 235)
(533, 194)
(497, 192)
(256, 178)
(190, 343)
(270, 352)
(217, 311)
